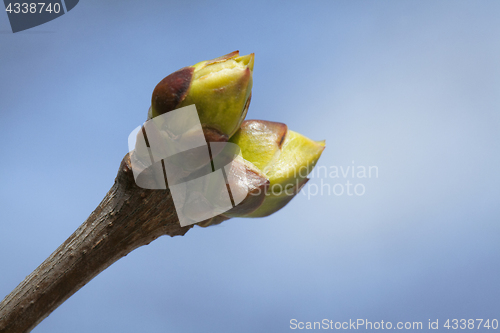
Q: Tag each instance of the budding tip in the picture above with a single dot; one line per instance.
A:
(225, 57)
(247, 60)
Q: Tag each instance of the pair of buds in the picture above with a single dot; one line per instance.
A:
(276, 160)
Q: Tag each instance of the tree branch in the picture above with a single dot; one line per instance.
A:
(127, 218)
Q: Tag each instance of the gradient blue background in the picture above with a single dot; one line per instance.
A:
(412, 87)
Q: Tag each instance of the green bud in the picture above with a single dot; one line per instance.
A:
(220, 89)
(284, 156)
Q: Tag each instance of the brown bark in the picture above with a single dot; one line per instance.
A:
(127, 218)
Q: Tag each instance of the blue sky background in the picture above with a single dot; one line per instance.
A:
(411, 87)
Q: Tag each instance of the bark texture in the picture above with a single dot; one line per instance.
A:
(127, 218)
